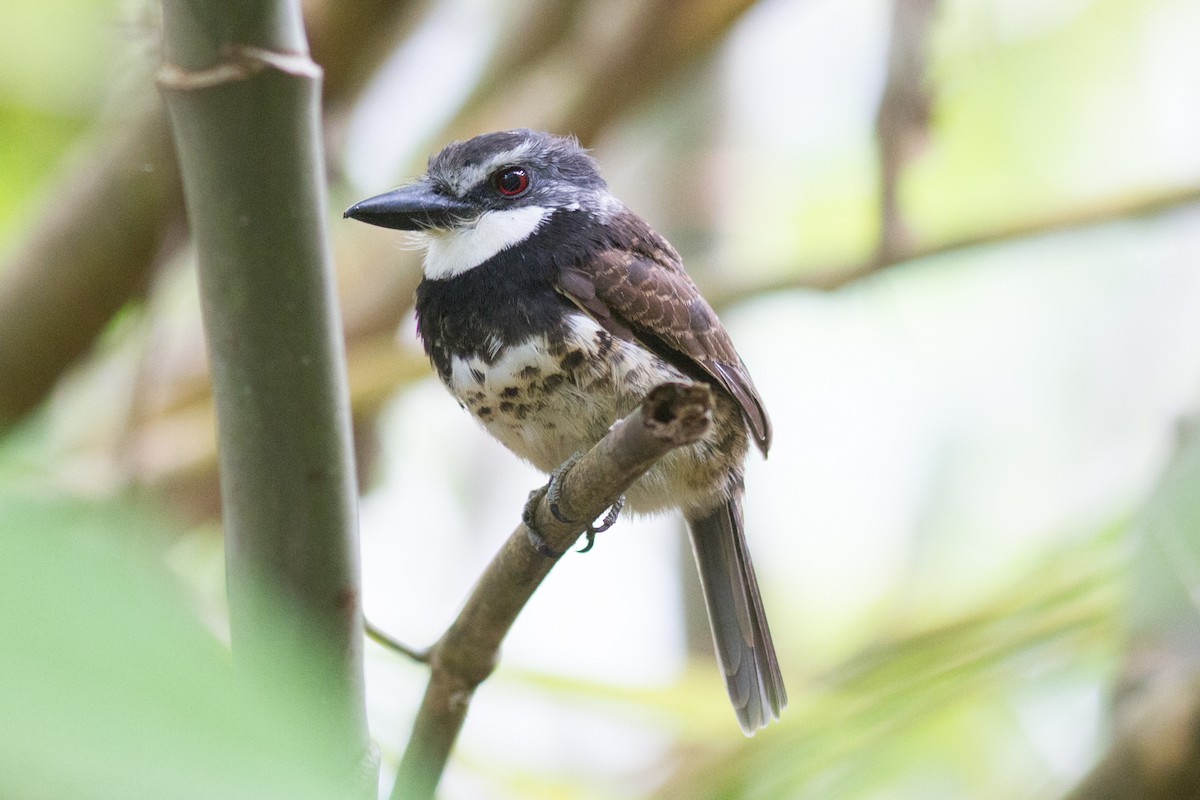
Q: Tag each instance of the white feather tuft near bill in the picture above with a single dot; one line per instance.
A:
(455, 251)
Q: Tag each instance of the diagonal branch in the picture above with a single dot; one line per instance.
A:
(671, 416)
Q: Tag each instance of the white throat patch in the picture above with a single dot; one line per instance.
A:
(453, 252)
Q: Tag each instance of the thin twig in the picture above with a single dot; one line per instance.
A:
(671, 416)
(385, 639)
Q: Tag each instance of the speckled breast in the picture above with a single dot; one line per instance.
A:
(551, 396)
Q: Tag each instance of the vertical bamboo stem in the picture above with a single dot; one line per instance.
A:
(244, 101)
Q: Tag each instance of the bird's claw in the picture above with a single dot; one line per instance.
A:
(552, 491)
(610, 519)
(536, 540)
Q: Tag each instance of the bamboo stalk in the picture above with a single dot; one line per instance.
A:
(244, 102)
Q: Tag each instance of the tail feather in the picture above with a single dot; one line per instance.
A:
(735, 612)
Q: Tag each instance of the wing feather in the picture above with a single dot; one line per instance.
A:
(642, 293)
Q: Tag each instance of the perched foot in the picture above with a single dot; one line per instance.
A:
(552, 491)
(609, 520)
(535, 538)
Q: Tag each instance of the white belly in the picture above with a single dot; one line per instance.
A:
(546, 403)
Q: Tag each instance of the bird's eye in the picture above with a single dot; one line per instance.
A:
(511, 181)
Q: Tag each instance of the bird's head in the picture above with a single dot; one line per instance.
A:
(486, 194)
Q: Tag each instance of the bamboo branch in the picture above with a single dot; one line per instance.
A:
(244, 101)
(671, 416)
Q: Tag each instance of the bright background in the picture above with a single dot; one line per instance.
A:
(967, 429)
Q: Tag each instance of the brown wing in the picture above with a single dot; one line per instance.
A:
(643, 294)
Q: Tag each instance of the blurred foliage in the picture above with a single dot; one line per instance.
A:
(32, 143)
(1167, 537)
(928, 714)
(49, 92)
(111, 688)
(1043, 115)
(1039, 109)
(867, 728)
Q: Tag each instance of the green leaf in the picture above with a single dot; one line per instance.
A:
(110, 687)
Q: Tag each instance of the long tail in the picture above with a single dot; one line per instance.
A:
(735, 612)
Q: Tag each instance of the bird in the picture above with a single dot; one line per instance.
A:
(549, 310)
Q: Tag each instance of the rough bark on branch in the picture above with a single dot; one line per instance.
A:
(671, 416)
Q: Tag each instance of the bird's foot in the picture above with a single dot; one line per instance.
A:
(552, 491)
(553, 487)
(610, 519)
(536, 540)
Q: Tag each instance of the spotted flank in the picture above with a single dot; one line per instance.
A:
(546, 399)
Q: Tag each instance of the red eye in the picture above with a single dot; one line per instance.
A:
(511, 181)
